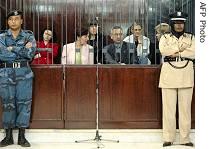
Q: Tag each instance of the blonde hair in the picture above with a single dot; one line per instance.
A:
(162, 28)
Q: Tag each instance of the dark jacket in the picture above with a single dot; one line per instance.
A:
(126, 54)
(101, 43)
(154, 55)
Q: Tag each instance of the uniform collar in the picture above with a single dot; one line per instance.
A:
(22, 33)
(184, 35)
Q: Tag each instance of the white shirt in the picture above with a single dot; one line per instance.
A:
(145, 45)
(68, 54)
(142, 50)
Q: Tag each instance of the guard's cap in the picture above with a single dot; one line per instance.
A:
(14, 13)
(178, 16)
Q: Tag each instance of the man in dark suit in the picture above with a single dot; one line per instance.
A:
(119, 52)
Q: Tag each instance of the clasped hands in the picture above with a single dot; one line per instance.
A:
(28, 45)
(182, 47)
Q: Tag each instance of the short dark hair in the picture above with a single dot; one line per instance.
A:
(54, 35)
(15, 13)
(82, 31)
(116, 27)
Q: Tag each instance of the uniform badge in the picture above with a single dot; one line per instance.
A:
(179, 13)
(15, 13)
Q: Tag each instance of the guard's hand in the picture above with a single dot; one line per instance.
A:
(175, 55)
(28, 45)
(183, 46)
(181, 49)
(9, 48)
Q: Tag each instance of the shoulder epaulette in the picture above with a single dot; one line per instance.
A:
(28, 31)
(166, 33)
(2, 31)
(190, 34)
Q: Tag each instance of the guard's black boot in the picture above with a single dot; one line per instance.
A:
(21, 138)
(8, 140)
(188, 144)
(167, 144)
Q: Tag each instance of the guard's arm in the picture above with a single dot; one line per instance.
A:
(28, 50)
(167, 46)
(188, 48)
(5, 53)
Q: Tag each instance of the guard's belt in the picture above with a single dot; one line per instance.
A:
(14, 64)
(171, 59)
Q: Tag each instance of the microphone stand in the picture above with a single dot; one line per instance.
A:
(97, 138)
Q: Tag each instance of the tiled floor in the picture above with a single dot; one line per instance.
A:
(65, 139)
(102, 146)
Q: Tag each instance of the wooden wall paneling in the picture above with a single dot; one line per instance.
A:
(80, 96)
(47, 107)
(129, 97)
(3, 15)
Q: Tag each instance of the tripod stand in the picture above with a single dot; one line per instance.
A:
(97, 138)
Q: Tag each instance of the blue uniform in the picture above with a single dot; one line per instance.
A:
(16, 82)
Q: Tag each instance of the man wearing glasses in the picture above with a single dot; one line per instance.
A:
(119, 52)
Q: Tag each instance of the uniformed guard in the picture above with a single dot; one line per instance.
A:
(177, 79)
(17, 48)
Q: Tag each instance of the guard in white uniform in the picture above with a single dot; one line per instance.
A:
(177, 79)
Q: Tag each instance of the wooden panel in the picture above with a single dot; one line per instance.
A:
(47, 109)
(80, 96)
(129, 97)
(2, 16)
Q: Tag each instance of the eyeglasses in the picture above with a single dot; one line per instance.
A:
(137, 29)
(13, 19)
(118, 34)
(48, 34)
